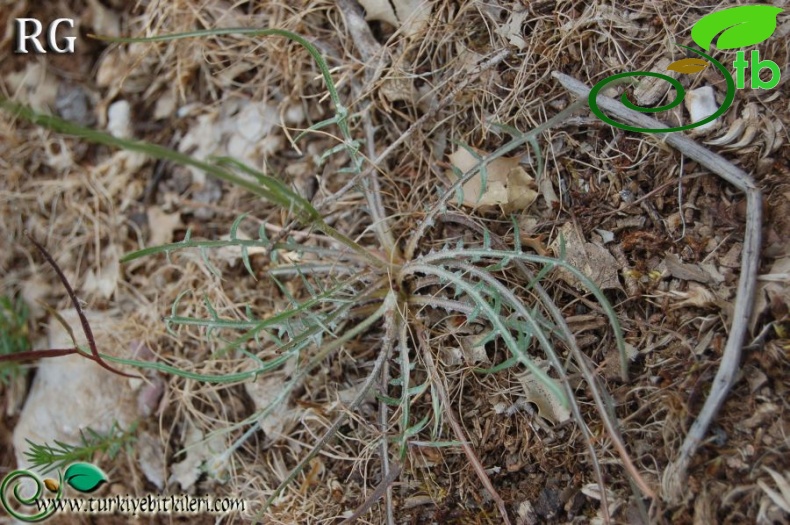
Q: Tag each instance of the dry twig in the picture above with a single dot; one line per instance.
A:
(441, 389)
(676, 474)
(86, 327)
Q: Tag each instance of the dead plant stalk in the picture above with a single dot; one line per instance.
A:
(676, 474)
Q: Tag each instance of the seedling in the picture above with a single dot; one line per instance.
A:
(61, 454)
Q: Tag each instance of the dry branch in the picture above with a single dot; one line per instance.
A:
(676, 474)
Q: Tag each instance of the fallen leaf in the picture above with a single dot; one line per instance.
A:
(593, 260)
(133, 64)
(474, 352)
(520, 191)
(756, 379)
(606, 235)
(264, 391)
(151, 458)
(398, 85)
(759, 417)
(549, 195)
(511, 30)
(781, 498)
(197, 451)
(773, 292)
(243, 130)
(412, 15)
(507, 185)
(685, 271)
(535, 243)
(550, 407)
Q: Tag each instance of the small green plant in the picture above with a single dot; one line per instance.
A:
(59, 455)
(349, 290)
(14, 337)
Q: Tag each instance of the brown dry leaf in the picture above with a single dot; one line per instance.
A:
(764, 412)
(240, 129)
(263, 392)
(507, 186)
(535, 243)
(152, 459)
(468, 60)
(773, 292)
(520, 191)
(398, 85)
(162, 225)
(685, 271)
(473, 351)
(591, 259)
(593, 491)
(549, 195)
(744, 129)
(756, 379)
(411, 14)
(203, 454)
(511, 30)
(126, 63)
(550, 407)
(781, 498)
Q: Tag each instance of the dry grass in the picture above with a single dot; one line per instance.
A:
(90, 205)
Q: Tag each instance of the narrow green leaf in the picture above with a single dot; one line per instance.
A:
(275, 191)
(245, 258)
(415, 429)
(419, 389)
(316, 127)
(391, 401)
(235, 226)
(213, 269)
(504, 365)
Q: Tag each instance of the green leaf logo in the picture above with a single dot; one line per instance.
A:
(84, 476)
(740, 26)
